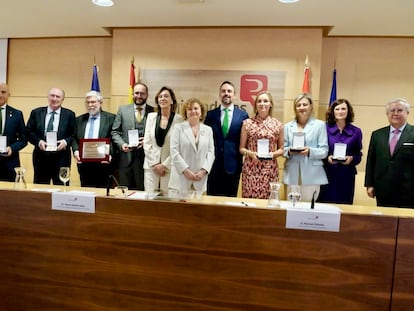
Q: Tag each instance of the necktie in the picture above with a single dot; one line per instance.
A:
(1, 120)
(51, 120)
(91, 126)
(225, 126)
(139, 114)
(394, 140)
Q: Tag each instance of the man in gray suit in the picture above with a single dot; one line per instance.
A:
(389, 174)
(96, 123)
(130, 117)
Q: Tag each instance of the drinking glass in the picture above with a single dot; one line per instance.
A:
(64, 176)
(294, 194)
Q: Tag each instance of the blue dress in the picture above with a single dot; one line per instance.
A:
(341, 178)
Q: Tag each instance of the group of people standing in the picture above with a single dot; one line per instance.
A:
(207, 151)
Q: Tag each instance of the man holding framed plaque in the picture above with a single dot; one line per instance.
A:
(91, 145)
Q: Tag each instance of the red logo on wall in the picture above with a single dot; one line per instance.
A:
(251, 85)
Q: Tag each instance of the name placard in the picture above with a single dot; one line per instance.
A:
(313, 219)
(74, 201)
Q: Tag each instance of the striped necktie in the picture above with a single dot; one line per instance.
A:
(51, 120)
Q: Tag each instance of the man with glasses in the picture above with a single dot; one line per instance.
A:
(389, 174)
(94, 124)
(129, 118)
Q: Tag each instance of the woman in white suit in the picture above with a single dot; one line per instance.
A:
(304, 166)
(158, 128)
(192, 150)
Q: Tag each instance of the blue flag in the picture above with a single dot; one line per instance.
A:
(333, 89)
(95, 80)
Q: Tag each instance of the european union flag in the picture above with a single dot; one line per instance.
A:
(333, 89)
(95, 80)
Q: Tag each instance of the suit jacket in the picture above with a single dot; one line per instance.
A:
(310, 168)
(105, 128)
(227, 148)
(392, 176)
(155, 154)
(36, 131)
(185, 154)
(14, 129)
(125, 120)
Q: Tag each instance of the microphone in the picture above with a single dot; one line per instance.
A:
(111, 179)
(313, 200)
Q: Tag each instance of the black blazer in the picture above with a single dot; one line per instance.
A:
(105, 128)
(14, 129)
(392, 176)
(36, 131)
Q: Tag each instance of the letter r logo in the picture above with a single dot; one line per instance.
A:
(251, 85)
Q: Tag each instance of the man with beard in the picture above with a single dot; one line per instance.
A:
(94, 124)
(131, 158)
(226, 122)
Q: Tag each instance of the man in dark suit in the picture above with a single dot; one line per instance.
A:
(226, 122)
(131, 158)
(53, 118)
(389, 174)
(12, 127)
(96, 123)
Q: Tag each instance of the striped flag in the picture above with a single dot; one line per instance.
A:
(131, 82)
(333, 88)
(306, 78)
(95, 80)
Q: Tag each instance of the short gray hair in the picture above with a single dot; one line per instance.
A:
(401, 101)
(95, 94)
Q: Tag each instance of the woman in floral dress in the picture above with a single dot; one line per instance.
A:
(259, 169)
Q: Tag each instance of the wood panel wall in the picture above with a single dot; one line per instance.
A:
(370, 71)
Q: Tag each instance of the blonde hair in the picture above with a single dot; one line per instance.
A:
(188, 103)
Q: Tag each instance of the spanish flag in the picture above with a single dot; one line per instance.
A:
(131, 82)
(306, 79)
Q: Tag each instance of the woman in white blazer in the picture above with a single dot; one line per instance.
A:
(304, 166)
(192, 150)
(158, 128)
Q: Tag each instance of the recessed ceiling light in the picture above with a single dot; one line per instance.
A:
(288, 1)
(103, 2)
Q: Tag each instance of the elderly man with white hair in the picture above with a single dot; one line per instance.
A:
(95, 124)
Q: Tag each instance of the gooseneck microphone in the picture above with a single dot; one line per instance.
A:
(111, 179)
(313, 200)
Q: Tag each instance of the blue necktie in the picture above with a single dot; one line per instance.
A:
(91, 125)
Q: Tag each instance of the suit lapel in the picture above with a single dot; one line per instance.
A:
(405, 134)
(189, 134)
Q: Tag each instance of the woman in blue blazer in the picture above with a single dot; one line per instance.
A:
(304, 166)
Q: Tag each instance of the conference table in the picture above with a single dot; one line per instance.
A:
(213, 253)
